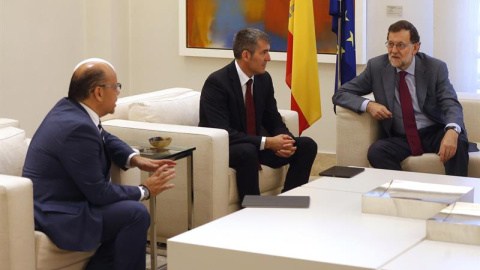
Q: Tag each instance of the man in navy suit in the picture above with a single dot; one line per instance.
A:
(438, 116)
(223, 105)
(69, 159)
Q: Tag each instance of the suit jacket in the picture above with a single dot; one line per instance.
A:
(436, 96)
(222, 106)
(68, 161)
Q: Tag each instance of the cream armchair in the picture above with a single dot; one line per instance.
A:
(23, 248)
(174, 113)
(355, 133)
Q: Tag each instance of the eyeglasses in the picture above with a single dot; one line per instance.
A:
(400, 46)
(117, 87)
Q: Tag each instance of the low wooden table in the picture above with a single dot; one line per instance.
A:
(173, 152)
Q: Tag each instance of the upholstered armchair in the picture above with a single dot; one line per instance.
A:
(23, 248)
(356, 132)
(174, 113)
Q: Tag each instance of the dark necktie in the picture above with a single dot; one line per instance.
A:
(411, 130)
(107, 154)
(250, 107)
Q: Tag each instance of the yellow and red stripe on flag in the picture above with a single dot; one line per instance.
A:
(302, 66)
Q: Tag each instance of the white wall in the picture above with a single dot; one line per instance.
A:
(41, 42)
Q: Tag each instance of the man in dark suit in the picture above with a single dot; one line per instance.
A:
(69, 159)
(226, 102)
(433, 123)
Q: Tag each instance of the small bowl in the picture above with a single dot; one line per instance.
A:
(160, 142)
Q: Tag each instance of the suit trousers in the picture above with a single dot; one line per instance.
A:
(388, 153)
(124, 237)
(245, 157)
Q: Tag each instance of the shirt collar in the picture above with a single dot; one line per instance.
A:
(241, 75)
(411, 68)
(93, 115)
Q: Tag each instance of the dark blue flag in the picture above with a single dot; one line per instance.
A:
(346, 13)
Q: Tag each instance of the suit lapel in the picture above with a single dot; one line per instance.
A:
(100, 137)
(420, 81)
(258, 100)
(389, 84)
(237, 92)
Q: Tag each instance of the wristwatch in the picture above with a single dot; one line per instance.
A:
(146, 192)
(451, 127)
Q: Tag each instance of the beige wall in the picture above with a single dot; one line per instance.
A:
(41, 42)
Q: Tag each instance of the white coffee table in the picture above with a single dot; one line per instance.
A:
(373, 178)
(331, 234)
(438, 256)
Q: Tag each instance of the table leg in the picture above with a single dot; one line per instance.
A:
(190, 190)
(153, 233)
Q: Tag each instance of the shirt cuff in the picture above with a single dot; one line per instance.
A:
(142, 194)
(363, 108)
(457, 127)
(127, 165)
(262, 143)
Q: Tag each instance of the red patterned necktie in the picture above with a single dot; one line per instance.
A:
(409, 123)
(250, 107)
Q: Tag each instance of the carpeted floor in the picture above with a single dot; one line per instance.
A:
(161, 262)
(322, 162)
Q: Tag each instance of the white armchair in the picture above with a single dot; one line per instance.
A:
(23, 248)
(175, 113)
(355, 133)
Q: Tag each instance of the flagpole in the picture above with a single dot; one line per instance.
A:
(339, 48)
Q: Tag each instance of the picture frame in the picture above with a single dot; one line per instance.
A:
(360, 39)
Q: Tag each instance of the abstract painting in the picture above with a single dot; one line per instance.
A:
(211, 24)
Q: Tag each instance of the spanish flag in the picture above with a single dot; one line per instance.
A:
(302, 66)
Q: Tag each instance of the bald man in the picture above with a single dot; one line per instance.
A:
(68, 161)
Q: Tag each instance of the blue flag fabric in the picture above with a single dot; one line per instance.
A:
(348, 68)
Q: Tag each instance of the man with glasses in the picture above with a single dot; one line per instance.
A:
(68, 160)
(415, 103)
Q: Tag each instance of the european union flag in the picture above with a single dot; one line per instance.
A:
(344, 10)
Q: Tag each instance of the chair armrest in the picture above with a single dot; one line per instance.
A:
(290, 118)
(355, 134)
(210, 160)
(6, 122)
(17, 250)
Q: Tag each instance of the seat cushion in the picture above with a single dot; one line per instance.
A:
(271, 183)
(13, 149)
(50, 256)
(178, 110)
(430, 163)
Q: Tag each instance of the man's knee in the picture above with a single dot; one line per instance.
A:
(243, 154)
(306, 145)
(139, 214)
(373, 153)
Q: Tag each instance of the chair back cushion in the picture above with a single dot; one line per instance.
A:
(13, 149)
(471, 110)
(123, 104)
(177, 110)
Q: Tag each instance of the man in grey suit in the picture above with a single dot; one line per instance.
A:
(415, 103)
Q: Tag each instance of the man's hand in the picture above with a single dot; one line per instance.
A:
(378, 111)
(282, 145)
(150, 165)
(448, 146)
(157, 182)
